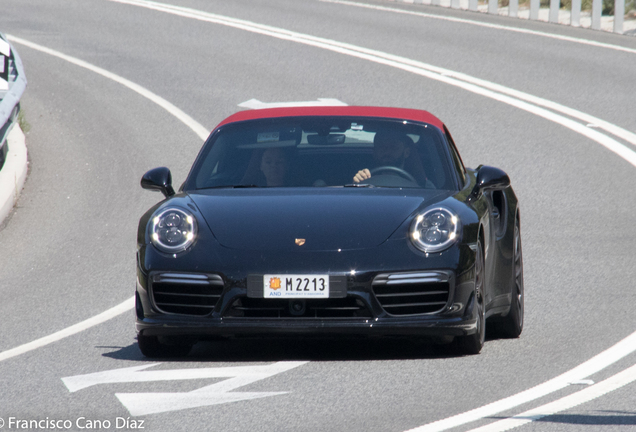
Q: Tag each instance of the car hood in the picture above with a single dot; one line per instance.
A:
(327, 220)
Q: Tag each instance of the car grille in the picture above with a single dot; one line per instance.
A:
(186, 293)
(412, 293)
(348, 307)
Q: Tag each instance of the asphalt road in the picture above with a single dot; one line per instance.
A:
(68, 251)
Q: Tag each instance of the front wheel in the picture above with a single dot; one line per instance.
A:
(152, 346)
(472, 344)
(512, 324)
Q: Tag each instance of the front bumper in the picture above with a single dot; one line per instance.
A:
(229, 305)
(361, 310)
(173, 326)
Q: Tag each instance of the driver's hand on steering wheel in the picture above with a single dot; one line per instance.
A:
(362, 175)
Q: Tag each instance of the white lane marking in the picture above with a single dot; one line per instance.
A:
(571, 112)
(590, 393)
(153, 403)
(475, 85)
(256, 104)
(353, 50)
(593, 122)
(582, 371)
(480, 87)
(182, 116)
(483, 24)
(196, 127)
(583, 382)
(69, 331)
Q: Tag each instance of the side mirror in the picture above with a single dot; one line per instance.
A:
(489, 178)
(158, 179)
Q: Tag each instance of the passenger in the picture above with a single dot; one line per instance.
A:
(275, 166)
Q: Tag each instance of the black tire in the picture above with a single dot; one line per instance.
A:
(151, 346)
(472, 344)
(512, 324)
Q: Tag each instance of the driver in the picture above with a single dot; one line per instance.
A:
(389, 149)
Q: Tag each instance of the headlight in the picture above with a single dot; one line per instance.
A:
(173, 230)
(435, 230)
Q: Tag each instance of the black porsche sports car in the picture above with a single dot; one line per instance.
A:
(330, 220)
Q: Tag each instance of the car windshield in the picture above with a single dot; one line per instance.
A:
(324, 152)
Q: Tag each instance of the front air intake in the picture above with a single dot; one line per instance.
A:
(186, 293)
(412, 293)
(332, 308)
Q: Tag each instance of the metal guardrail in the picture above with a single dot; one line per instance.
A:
(553, 17)
(12, 85)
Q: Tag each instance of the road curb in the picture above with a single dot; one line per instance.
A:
(14, 172)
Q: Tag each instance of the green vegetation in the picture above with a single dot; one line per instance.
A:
(24, 125)
(586, 5)
(608, 5)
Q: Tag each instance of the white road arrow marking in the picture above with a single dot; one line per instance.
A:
(256, 104)
(139, 404)
(152, 403)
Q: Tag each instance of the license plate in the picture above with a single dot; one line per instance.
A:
(296, 286)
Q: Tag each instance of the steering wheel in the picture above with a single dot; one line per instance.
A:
(396, 170)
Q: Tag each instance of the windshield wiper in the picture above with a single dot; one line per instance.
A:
(361, 185)
(239, 186)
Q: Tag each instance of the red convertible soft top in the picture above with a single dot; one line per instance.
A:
(357, 111)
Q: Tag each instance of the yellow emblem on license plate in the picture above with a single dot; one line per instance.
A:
(274, 283)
